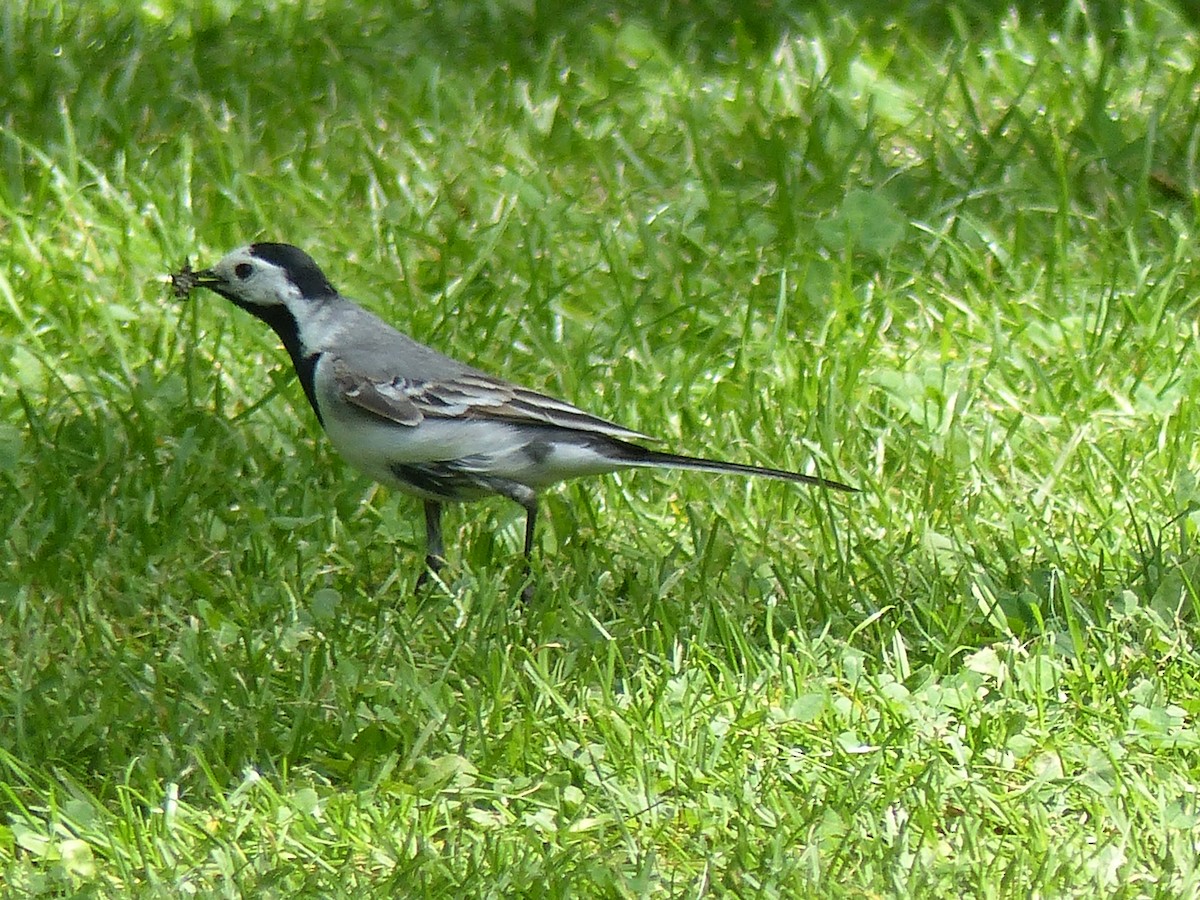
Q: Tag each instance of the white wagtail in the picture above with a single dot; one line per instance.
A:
(417, 420)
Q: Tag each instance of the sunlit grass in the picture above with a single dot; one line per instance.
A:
(950, 260)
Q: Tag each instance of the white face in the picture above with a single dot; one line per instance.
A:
(248, 280)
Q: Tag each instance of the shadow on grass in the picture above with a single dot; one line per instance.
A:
(155, 66)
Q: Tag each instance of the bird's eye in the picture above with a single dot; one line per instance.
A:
(243, 270)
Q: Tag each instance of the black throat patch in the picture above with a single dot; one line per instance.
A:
(283, 323)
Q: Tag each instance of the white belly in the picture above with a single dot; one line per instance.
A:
(533, 456)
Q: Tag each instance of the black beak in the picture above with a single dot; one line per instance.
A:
(186, 280)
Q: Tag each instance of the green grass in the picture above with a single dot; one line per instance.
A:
(949, 258)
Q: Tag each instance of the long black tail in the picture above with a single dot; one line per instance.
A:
(641, 456)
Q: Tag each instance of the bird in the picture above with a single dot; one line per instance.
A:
(422, 422)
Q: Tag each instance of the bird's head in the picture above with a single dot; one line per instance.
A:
(263, 277)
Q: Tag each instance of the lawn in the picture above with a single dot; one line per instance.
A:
(950, 257)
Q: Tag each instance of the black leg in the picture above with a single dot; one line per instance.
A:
(530, 525)
(435, 550)
(527, 497)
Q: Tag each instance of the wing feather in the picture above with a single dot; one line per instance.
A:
(385, 399)
(466, 395)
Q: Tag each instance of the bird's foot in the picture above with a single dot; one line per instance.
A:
(433, 566)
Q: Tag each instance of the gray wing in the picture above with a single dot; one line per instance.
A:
(465, 394)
